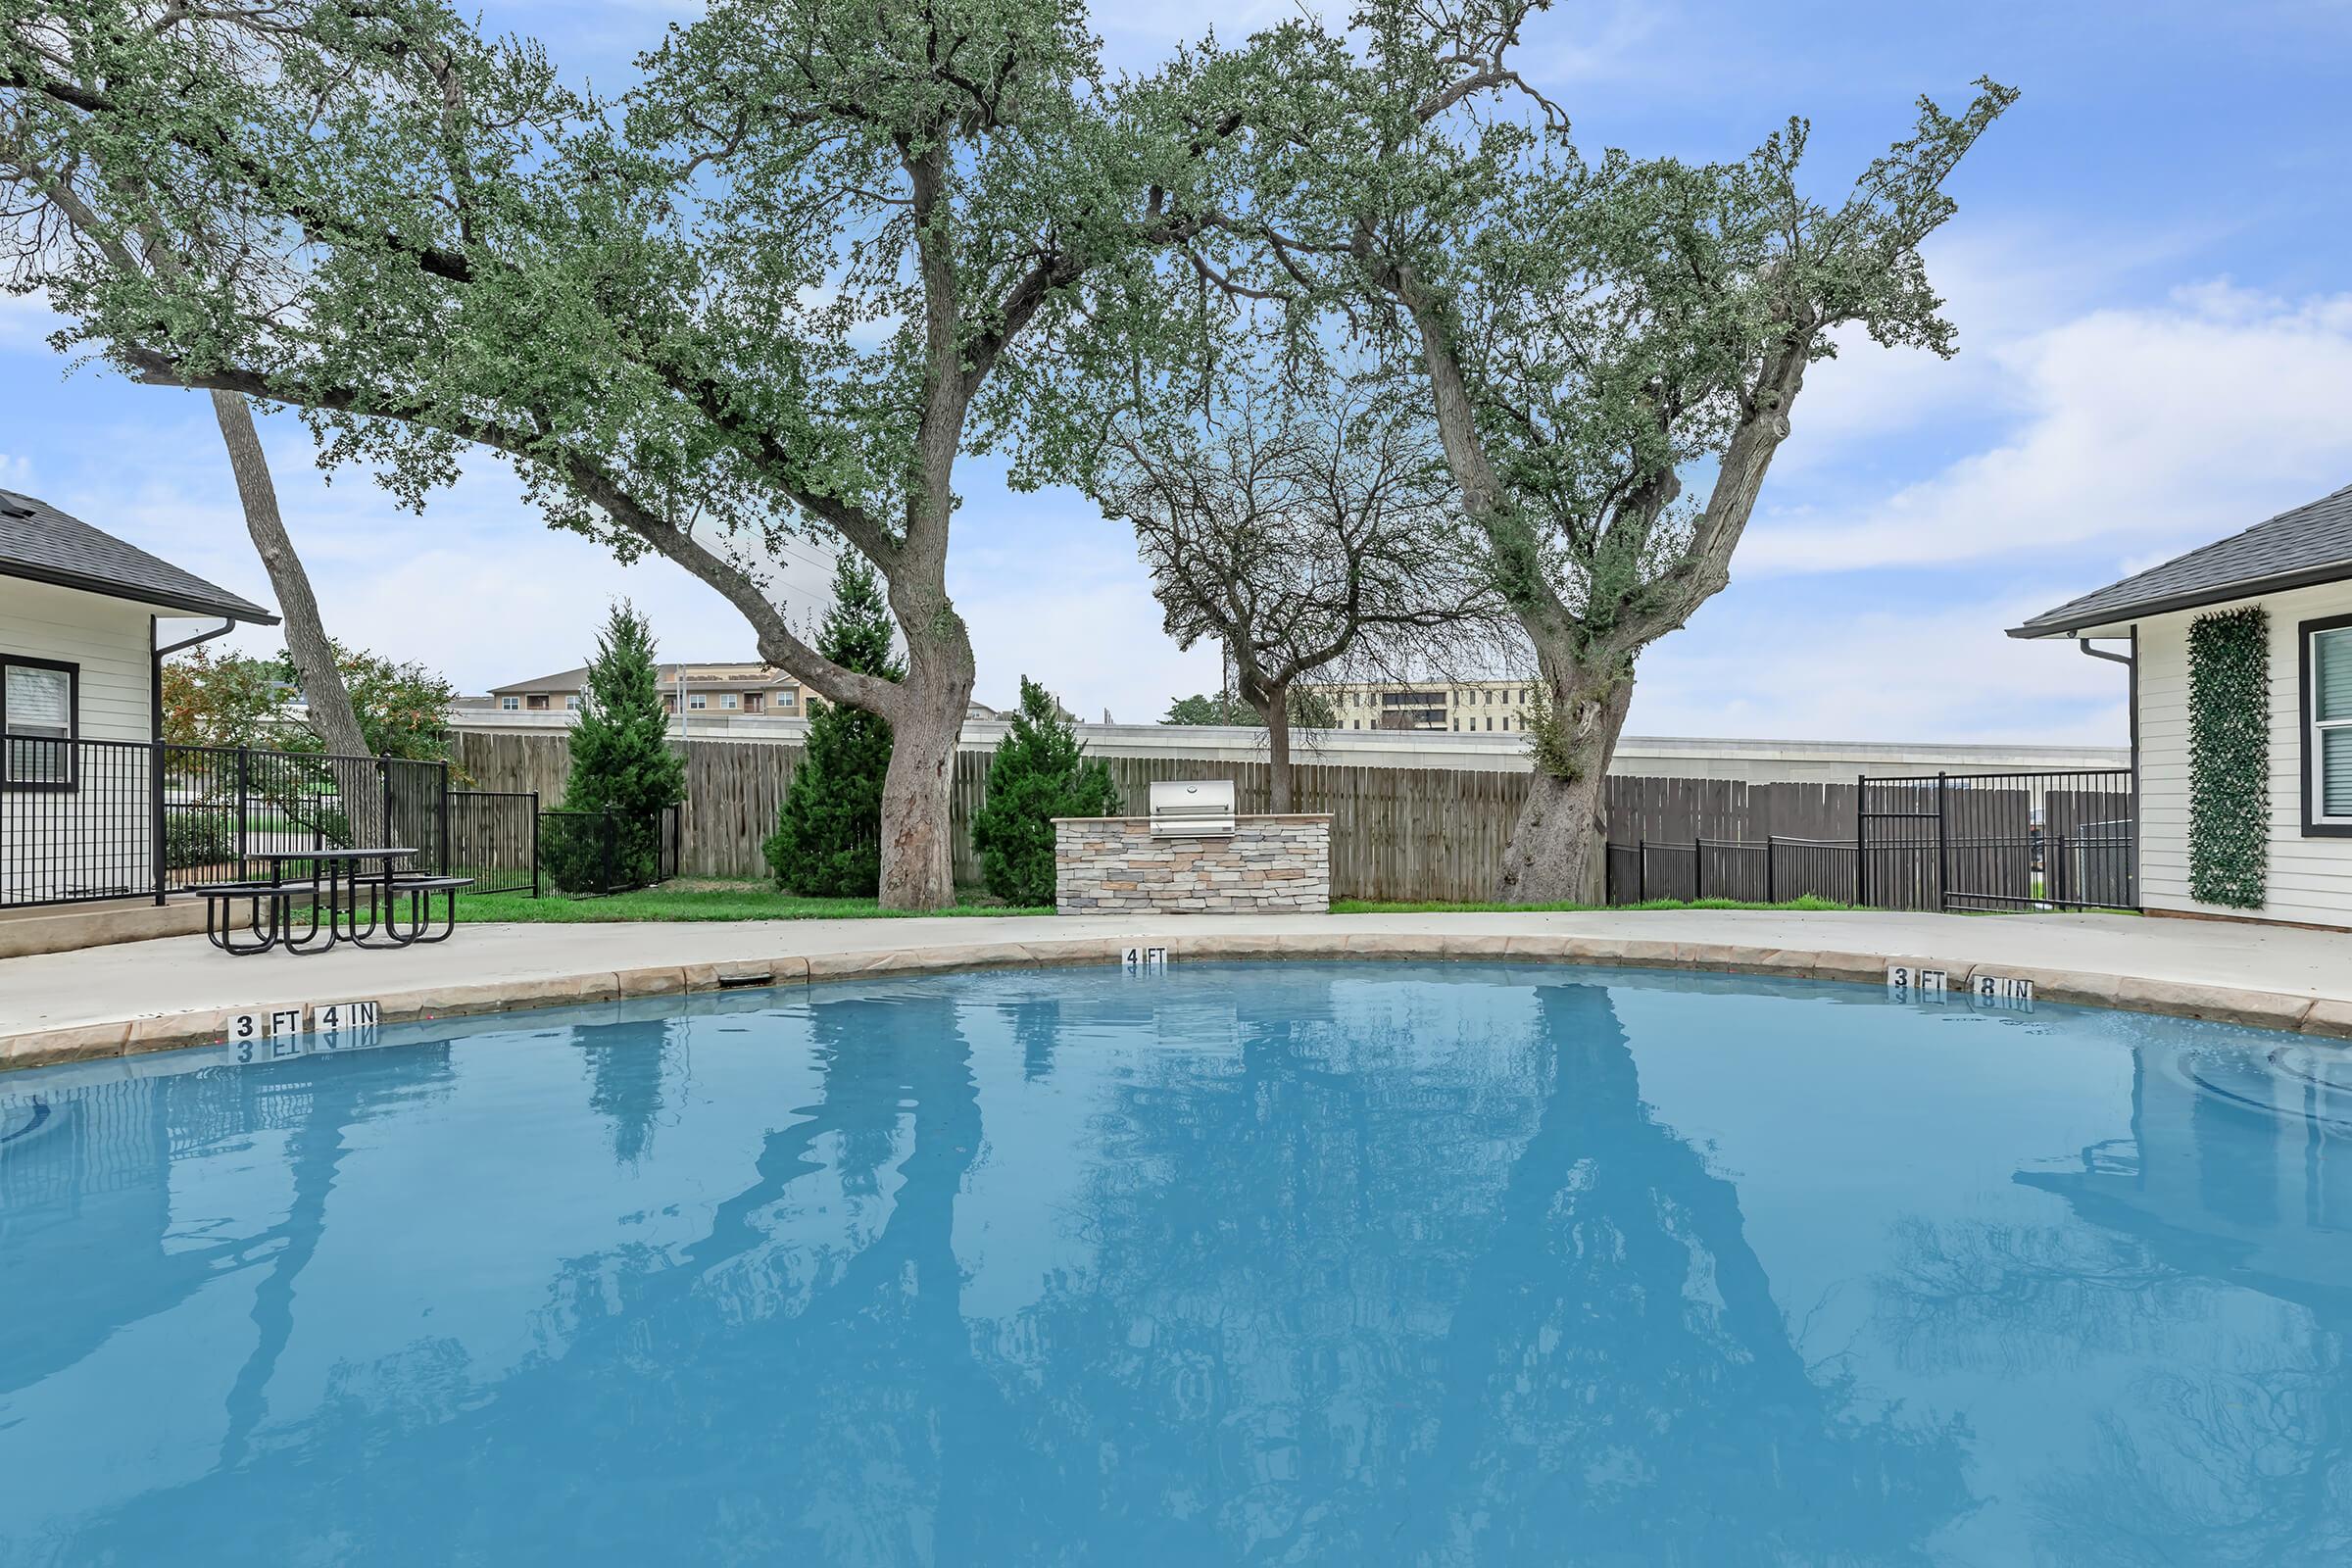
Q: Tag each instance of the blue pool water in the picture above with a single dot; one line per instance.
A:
(1349, 1264)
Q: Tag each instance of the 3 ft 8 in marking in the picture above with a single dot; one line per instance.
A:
(2003, 990)
(1904, 981)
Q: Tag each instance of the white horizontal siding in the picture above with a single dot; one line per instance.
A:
(2310, 879)
(106, 637)
(92, 840)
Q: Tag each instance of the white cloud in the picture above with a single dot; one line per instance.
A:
(2140, 431)
(477, 588)
(481, 590)
(1062, 598)
(1924, 673)
(25, 323)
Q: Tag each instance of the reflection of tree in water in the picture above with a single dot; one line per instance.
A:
(1036, 1030)
(1981, 1296)
(1408, 1318)
(628, 1064)
(2212, 1250)
(1342, 1299)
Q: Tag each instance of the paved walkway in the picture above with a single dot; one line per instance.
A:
(151, 995)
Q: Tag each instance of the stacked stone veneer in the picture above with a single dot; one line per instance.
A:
(1109, 863)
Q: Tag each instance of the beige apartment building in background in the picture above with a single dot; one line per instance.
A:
(1495, 706)
(685, 688)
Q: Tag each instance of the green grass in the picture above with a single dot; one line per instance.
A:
(1807, 904)
(697, 901)
(757, 900)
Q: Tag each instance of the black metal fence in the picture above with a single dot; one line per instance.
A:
(225, 811)
(2000, 841)
(1777, 871)
(609, 851)
(1978, 841)
(115, 819)
(494, 839)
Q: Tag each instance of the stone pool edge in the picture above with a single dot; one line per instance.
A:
(2286, 1011)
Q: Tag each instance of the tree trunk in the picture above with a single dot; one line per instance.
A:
(1555, 853)
(1273, 705)
(314, 656)
(918, 851)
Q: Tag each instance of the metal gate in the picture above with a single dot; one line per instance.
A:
(1998, 841)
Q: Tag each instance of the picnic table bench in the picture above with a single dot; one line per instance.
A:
(337, 880)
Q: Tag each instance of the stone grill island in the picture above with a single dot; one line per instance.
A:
(1193, 854)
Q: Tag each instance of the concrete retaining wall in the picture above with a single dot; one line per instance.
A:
(1270, 863)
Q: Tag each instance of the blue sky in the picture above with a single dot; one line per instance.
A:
(2151, 273)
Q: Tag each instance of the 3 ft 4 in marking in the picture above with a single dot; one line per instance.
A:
(338, 1017)
(265, 1034)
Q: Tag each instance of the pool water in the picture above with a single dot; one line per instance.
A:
(1345, 1263)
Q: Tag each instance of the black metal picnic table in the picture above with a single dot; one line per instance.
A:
(337, 878)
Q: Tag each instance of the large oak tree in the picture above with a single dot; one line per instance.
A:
(774, 286)
(1611, 347)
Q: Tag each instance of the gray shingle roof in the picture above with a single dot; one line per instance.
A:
(2312, 544)
(41, 544)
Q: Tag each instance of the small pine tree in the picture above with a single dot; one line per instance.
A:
(621, 763)
(1041, 772)
(828, 838)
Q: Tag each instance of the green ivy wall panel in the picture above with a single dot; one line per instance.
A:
(2230, 757)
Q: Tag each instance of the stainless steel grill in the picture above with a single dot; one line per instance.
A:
(1199, 807)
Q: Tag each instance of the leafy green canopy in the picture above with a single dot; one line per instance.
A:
(624, 771)
(1039, 772)
(828, 838)
(236, 700)
(764, 289)
(1591, 334)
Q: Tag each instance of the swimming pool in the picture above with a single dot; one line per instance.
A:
(1345, 1263)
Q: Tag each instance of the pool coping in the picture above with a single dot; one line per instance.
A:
(2320, 1017)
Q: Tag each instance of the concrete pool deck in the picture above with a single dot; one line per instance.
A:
(152, 995)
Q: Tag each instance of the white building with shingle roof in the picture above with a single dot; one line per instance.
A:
(2240, 655)
(85, 621)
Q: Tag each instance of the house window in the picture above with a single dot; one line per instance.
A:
(729, 700)
(698, 701)
(511, 704)
(572, 702)
(38, 702)
(2327, 726)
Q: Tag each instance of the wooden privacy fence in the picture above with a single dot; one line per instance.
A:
(1397, 832)
(1415, 833)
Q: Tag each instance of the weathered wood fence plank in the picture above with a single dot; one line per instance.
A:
(1398, 833)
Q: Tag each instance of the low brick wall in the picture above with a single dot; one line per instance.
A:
(1270, 863)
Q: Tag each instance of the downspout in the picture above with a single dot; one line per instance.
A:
(2129, 661)
(155, 733)
(155, 671)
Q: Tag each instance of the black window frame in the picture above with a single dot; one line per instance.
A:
(2305, 631)
(72, 671)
